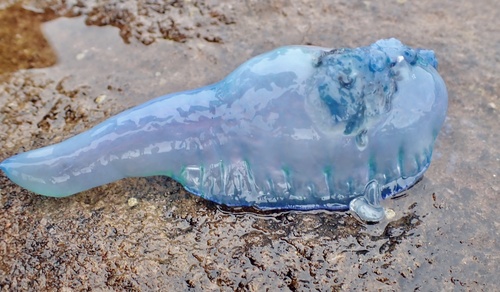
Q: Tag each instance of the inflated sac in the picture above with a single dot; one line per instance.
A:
(299, 127)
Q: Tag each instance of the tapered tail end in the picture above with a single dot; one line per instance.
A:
(31, 176)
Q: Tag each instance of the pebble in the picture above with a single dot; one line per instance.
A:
(100, 99)
(132, 202)
(389, 213)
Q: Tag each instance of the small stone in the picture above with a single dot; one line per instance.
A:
(100, 99)
(132, 202)
(492, 105)
(80, 56)
(389, 213)
(12, 105)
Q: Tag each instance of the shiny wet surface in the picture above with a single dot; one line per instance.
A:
(149, 233)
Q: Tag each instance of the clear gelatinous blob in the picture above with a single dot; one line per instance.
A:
(367, 206)
(299, 127)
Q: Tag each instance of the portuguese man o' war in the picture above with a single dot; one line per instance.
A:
(299, 127)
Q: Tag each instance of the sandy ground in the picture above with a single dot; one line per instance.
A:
(65, 68)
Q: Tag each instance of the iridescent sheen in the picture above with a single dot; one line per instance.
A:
(299, 127)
